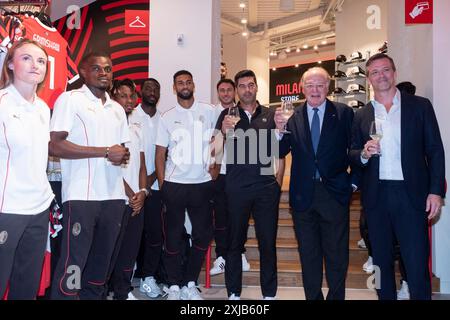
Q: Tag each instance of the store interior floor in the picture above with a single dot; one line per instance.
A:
(219, 292)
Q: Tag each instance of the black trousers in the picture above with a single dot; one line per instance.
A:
(322, 232)
(394, 218)
(22, 246)
(90, 231)
(196, 199)
(153, 234)
(262, 204)
(127, 246)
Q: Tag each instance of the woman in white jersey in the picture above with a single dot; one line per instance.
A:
(25, 193)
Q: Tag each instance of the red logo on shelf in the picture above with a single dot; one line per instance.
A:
(137, 22)
(418, 11)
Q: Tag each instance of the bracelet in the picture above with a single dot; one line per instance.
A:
(145, 191)
(107, 152)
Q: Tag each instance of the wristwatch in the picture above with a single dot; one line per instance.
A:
(146, 192)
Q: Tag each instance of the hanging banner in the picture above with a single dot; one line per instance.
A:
(418, 11)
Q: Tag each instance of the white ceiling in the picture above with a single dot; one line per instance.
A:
(304, 21)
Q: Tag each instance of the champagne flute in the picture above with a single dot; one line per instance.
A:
(288, 111)
(233, 113)
(376, 133)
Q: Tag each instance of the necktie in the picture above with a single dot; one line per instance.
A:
(315, 135)
(315, 130)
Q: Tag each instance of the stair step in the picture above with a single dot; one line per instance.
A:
(290, 275)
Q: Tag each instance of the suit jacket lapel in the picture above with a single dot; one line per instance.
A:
(329, 123)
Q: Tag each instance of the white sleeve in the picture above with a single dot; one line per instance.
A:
(163, 135)
(125, 131)
(63, 114)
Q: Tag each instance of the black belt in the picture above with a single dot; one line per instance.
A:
(392, 182)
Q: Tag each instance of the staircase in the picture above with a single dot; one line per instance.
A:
(289, 268)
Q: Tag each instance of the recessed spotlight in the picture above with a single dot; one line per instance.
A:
(288, 49)
(324, 42)
(274, 69)
(305, 46)
(244, 33)
(298, 50)
(316, 47)
(241, 5)
(296, 65)
(243, 21)
(319, 62)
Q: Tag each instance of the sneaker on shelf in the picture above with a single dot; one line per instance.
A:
(234, 297)
(403, 293)
(368, 265)
(190, 292)
(362, 244)
(173, 293)
(150, 287)
(218, 266)
(269, 298)
(131, 296)
(245, 264)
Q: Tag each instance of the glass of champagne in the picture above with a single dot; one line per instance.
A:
(233, 113)
(376, 133)
(288, 111)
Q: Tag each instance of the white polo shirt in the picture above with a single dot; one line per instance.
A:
(24, 137)
(149, 126)
(187, 134)
(135, 146)
(91, 123)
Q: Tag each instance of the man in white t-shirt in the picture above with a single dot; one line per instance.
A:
(147, 116)
(87, 133)
(226, 92)
(184, 134)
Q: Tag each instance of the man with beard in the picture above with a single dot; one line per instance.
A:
(87, 133)
(184, 133)
(147, 117)
(251, 186)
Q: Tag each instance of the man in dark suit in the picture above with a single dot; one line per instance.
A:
(320, 186)
(402, 184)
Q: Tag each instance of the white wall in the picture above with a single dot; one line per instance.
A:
(411, 47)
(200, 53)
(440, 68)
(352, 32)
(234, 53)
(257, 60)
(58, 8)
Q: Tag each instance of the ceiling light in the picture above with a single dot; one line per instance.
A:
(244, 33)
(324, 42)
(305, 46)
(316, 47)
(319, 62)
(273, 69)
(297, 50)
(243, 21)
(288, 49)
(241, 5)
(296, 65)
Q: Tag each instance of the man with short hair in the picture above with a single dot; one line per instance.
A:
(402, 189)
(320, 186)
(182, 162)
(87, 133)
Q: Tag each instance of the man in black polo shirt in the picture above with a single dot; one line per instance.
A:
(251, 185)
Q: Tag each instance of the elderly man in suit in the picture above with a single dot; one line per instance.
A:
(403, 187)
(320, 186)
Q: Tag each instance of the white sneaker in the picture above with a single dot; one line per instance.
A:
(245, 264)
(173, 293)
(269, 298)
(362, 244)
(234, 297)
(218, 267)
(131, 296)
(150, 287)
(190, 292)
(403, 293)
(368, 266)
